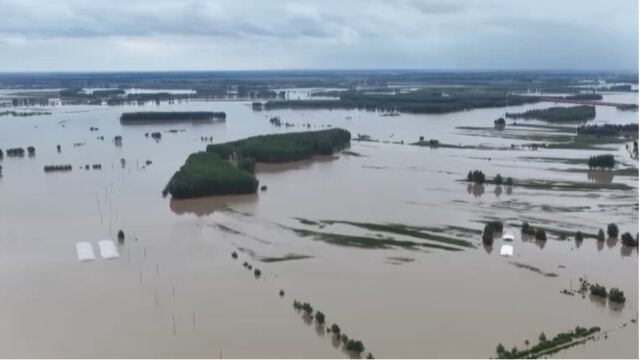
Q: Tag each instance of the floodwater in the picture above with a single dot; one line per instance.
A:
(175, 291)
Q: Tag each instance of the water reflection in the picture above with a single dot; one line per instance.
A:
(476, 189)
(498, 190)
(598, 300)
(578, 243)
(509, 189)
(611, 242)
(600, 176)
(626, 250)
(616, 306)
(600, 245)
(207, 205)
(295, 165)
(488, 248)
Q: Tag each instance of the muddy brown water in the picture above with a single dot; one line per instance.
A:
(176, 292)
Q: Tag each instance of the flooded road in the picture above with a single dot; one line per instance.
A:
(175, 291)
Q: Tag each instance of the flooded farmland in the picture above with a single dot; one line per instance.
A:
(175, 290)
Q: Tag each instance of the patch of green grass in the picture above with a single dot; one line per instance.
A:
(307, 221)
(441, 145)
(287, 257)
(568, 185)
(368, 242)
(408, 230)
(532, 268)
(570, 161)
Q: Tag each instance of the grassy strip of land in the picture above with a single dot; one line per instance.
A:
(170, 116)
(437, 144)
(532, 268)
(205, 174)
(272, 259)
(540, 184)
(407, 230)
(568, 185)
(548, 346)
(558, 114)
(278, 148)
(368, 242)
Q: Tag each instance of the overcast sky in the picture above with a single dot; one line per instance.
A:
(82, 35)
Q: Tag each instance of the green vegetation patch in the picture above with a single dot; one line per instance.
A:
(559, 114)
(548, 346)
(532, 268)
(205, 174)
(407, 230)
(278, 148)
(368, 242)
(272, 259)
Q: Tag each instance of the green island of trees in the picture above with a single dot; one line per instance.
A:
(278, 148)
(548, 346)
(560, 114)
(170, 116)
(205, 173)
(229, 168)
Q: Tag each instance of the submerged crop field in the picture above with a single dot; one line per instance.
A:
(368, 200)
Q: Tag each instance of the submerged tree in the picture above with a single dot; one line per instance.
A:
(612, 230)
(616, 295)
(498, 180)
(335, 329)
(319, 317)
(121, 237)
(541, 234)
(600, 235)
(628, 240)
(542, 337)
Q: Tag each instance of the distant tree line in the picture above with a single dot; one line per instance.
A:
(608, 129)
(163, 116)
(559, 114)
(423, 101)
(51, 168)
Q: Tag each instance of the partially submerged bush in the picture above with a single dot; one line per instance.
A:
(612, 230)
(628, 240)
(616, 295)
(598, 290)
(541, 235)
(476, 176)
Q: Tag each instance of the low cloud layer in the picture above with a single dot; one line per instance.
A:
(78, 35)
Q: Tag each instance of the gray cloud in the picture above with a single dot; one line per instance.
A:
(252, 34)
